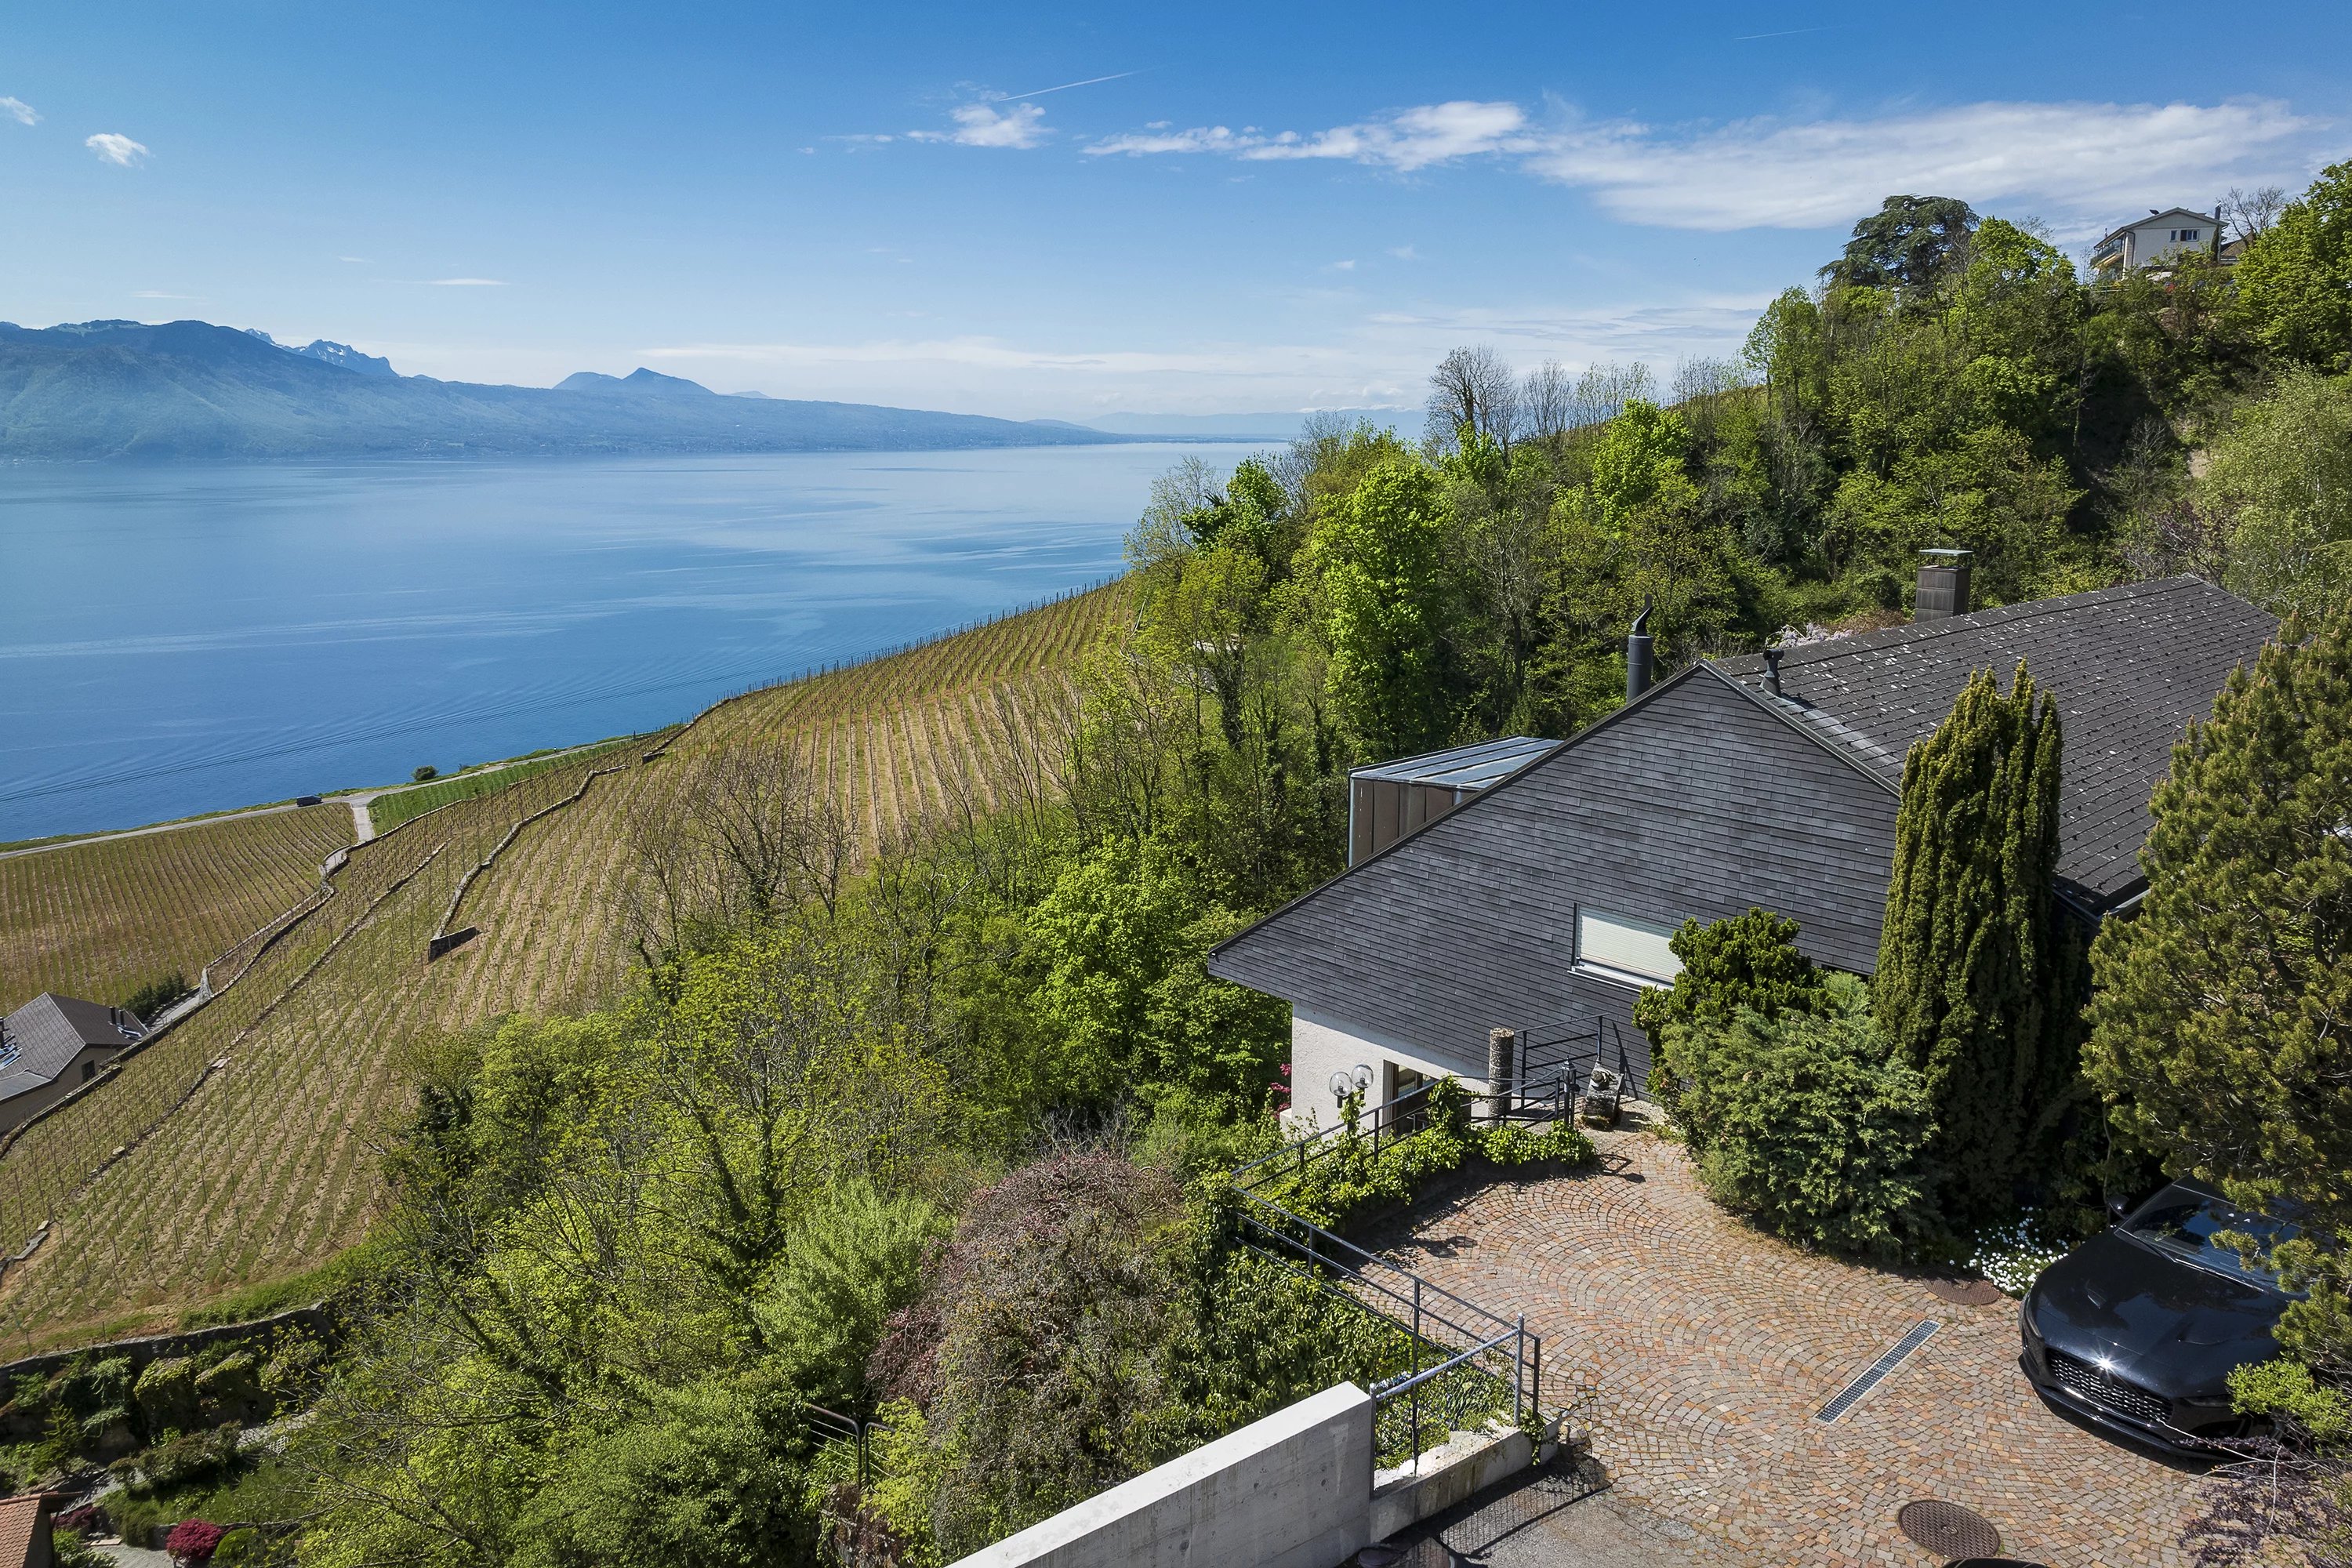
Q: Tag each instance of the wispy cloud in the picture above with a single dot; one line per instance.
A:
(359, 260)
(467, 282)
(982, 125)
(157, 294)
(118, 149)
(22, 114)
(2078, 163)
(1408, 140)
(1346, 266)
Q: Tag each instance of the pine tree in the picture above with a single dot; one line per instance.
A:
(2222, 1031)
(1969, 956)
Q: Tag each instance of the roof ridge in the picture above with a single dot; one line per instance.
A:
(1913, 632)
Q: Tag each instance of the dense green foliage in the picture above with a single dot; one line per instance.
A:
(1809, 1123)
(1796, 1109)
(2297, 280)
(2219, 1025)
(1973, 989)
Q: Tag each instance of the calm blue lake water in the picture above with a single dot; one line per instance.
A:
(184, 638)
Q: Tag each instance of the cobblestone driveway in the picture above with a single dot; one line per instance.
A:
(1707, 1348)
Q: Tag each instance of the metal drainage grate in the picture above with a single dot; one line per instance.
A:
(1919, 1335)
(1948, 1530)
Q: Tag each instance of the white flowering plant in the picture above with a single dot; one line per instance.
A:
(2014, 1256)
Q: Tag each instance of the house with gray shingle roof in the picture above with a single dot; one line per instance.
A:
(52, 1045)
(1543, 903)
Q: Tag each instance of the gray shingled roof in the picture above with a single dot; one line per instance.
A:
(47, 1033)
(1706, 797)
(1696, 802)
(2128, 667)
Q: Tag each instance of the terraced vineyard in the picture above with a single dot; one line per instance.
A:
(100, 919)
(390, 809)
(238, 1147)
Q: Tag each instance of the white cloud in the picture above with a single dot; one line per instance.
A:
(2076, 164)
(157, 294)
(22, 113)
(362, 261)
(116, 149)
(1407, 140)
(2082, 163)
(1404, 253)
(982, 125)
(1346, 266)
(469, 282)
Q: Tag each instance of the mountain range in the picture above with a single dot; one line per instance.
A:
(191, 389)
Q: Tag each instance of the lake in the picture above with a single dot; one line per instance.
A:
(180, 638)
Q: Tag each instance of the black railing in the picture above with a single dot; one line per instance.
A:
(1462, 1364)
(828, 1427)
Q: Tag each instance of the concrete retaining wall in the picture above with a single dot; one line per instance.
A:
(1467, 1464)
(1293, 1490)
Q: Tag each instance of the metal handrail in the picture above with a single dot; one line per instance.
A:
(1389, 1387)
(832, 1426)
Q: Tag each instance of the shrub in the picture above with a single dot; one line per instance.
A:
(1809, 1124)
(1750, 961)
(231, 1385)
(194, 1541)
(1516, 1146)
(158, 994)
(857, 1260)
(71, 1548)
(1041, 1351)
(426, 774)
(199, 1456)
(166, 1395)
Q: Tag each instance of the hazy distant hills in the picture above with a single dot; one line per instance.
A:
(189, 389)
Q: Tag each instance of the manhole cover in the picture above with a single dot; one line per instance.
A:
(1948, 1530)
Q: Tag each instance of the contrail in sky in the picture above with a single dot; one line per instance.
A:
(1742, 38)
(1066, 85)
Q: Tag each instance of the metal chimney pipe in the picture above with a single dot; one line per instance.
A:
(1771, 672)
(1640, 661)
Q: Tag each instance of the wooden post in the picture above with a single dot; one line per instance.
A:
(1502, 1072)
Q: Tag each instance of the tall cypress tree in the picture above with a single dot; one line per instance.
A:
(1968, 958)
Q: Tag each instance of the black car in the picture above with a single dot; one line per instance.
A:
(2139, 1328)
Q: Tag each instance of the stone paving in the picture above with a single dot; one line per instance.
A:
(1696, 1350)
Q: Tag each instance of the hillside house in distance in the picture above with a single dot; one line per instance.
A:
(52, 1045)
(2157, 238)
(1543, 904)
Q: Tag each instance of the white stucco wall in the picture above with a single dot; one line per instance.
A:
(1321, 1045)
(1293, 1490)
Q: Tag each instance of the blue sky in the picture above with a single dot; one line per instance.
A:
(1264, 207)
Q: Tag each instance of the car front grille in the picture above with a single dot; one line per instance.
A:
(2102, 1388)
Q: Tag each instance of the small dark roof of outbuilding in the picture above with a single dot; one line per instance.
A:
(44, 1034)
(2129, 668)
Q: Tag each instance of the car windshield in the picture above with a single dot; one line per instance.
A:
(2185, 1223)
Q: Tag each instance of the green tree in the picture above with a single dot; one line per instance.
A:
(1909, 243)
(2280, 482)
(2295, 281)
(1969, 965)
(2221, 1026)
(1389, 571)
